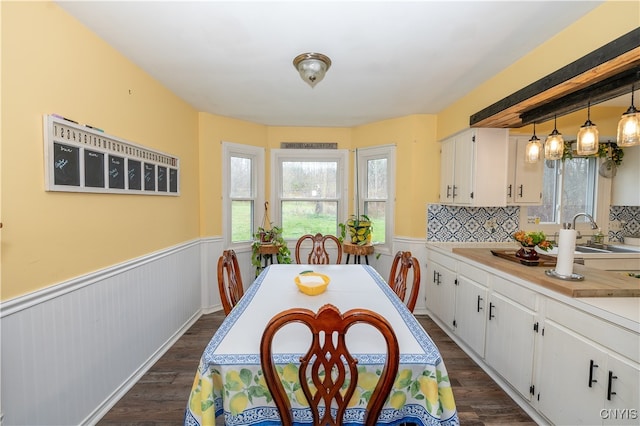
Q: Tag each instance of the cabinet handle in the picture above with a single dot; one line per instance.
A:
(454, 191)
(448, 191)
(609, 392)
(592, 365)
(479, 300)
(520, 190)
(509, 189)
(436, 277)
(491, 306)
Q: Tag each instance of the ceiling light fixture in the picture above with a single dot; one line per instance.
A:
(534, 147)
(629, 126)
(554, 145)
(312, 67)
(587, 143)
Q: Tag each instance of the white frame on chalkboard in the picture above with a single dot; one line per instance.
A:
(62, 133)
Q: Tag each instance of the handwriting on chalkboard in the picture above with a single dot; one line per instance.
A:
(149, 177)
(116, 172)
(93, 169)
(66, 165)
(134, 174)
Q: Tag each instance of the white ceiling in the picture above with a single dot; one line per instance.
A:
(390, 58)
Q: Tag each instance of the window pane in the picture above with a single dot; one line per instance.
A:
(309, 217)
(577, 187)
(377, 178)
(547, 211)
(241, 220)
(240, 185)
(309, 179)
(375, 210)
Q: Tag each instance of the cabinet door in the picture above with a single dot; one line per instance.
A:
(464, 172)
(572, 378)
(470, 313)
(622, 392)
(447, 157)
(528, 181)
(625, 183)
(525, 183)
(510, 342)
(441, 291)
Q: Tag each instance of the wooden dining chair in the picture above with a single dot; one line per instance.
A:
(229, 280)
(403, 262)
(332, 370)
(318, 253)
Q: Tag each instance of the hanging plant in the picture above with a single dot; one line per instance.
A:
(609, 150)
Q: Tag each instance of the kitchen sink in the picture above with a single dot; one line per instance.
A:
(604, 248)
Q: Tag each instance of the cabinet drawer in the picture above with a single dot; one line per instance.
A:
(513, 291)
(475, 274)
(620, 340)
(444, 260)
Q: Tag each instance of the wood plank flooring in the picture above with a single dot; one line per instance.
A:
(160, 397)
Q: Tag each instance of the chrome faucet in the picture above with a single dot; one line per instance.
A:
(594, 225)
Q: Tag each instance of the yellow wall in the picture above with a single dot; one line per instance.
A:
(417, 166)
(213, 130)
(52, 64)
(599, 27)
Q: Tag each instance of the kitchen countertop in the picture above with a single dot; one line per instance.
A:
(596, 283)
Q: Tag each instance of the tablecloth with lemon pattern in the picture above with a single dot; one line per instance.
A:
(229, 380)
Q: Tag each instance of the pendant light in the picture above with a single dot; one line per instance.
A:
(587, 143)
(534, 148)
(554, 145)
(629, 126)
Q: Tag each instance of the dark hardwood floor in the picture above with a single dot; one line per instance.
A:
(160, 397)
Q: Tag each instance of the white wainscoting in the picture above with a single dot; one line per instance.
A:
(70, 351)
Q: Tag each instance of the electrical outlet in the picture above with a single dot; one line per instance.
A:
(490, 225)
(616, 225)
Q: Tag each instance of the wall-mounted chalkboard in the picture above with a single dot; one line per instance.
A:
(134, 168)
(66, 164)
(149, 177)
(93, 169)
(85, 159)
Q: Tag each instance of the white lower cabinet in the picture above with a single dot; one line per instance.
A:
(511, 334)
(568, 365)
(471, 307)
(441, 287)
(582, 379)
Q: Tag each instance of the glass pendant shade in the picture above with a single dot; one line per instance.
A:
(554, 145)
(534, 148)
(629, 126)
(312, 67)
(587, 143)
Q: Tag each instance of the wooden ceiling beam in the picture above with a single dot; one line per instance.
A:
(606, 63)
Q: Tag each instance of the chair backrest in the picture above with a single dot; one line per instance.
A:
(328, 365)
(318, 253)
(403, 262)
(229, 280)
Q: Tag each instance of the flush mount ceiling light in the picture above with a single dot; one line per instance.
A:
(629, 126)
(587, 143)
(554, 145)
(534, 147)
(312, 67)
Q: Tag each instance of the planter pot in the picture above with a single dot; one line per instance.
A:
(528, 253)
(360, 234)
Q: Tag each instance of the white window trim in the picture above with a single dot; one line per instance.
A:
(280, 155)
(373, 153)
(257, 154)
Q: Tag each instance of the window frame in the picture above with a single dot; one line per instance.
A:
(602, 200)
(278, 156)
(257, 156)
(363, 155)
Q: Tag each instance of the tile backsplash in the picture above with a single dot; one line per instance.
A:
(623, 220)
(497, 224)
(471, 224)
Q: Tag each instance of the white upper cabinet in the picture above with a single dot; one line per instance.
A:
(474, 168)
(525, 180)
(625, 190)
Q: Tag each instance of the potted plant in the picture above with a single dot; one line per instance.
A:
(272, 238)
(359, 227)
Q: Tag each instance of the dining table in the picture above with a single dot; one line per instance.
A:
(229, 380)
